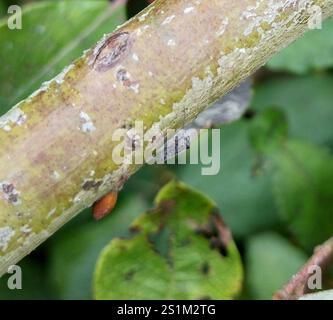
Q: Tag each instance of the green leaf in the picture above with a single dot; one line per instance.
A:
(302, 179)
(303, 188)
(53, 34)
(269, 130)
(243, 194)
(73, 253)
(3, 9)
(312, 52)
(270, 263)
(307, 103)
(175, 253)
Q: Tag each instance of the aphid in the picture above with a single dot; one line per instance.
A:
(105, 205)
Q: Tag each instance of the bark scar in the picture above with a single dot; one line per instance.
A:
(111, 51)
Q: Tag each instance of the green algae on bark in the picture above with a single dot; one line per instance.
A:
(162, 67)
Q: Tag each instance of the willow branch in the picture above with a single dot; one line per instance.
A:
(163, 67)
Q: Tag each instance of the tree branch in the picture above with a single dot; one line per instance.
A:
(297, 286)
(163, 67)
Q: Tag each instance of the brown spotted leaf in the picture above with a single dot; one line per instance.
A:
(179, 250)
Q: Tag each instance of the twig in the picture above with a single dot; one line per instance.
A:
(297, 286)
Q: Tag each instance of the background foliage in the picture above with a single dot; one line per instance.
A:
(274, 190)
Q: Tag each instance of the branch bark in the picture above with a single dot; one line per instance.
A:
(162, 67)
(297, 286)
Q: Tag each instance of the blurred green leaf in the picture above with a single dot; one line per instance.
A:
(54, 33)
(243, 194)
(270, 263)
(3, 9)
(73, 254)
(303, 187)
(302, 178)
(269, 130)
(307, 102)
(311, 52)
(168, 257)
